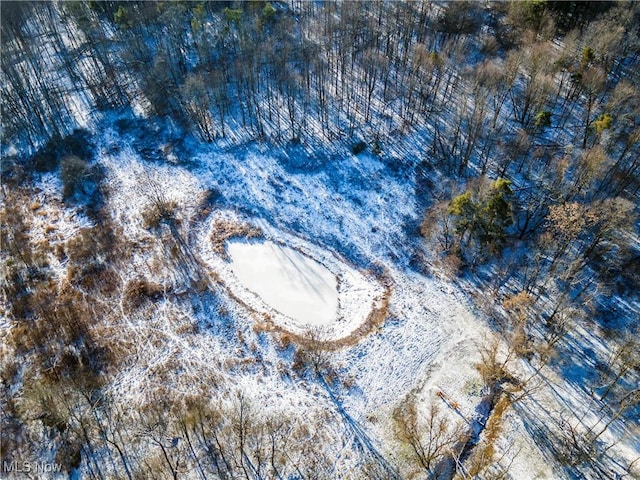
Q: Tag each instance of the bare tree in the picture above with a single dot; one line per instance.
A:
(430, 436)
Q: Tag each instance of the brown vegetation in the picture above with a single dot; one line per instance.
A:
(139, 291)
(157, 213)
(73, 171)
(429, 439)
(224, 230)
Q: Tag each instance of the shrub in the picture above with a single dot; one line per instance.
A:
(139, 291)
(284, 341)
(224, 230)
(162, 211)
(73, 171)
(206, 202)
(77, 144)
(604, 122)
(133, 126)
(543, 119)
(12, 171)
(358, 147)
(93, 254)
(588, 56)
(69, 454)
(83, 247)
(268, 12)
(377, 148)
(121, 17)
(232, 15)
(48, 157)
(94, 277)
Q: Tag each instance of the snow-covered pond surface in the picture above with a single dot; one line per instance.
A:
(291, 283)
(286, 280)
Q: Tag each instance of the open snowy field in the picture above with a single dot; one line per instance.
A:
(327, 254)
(318, 260)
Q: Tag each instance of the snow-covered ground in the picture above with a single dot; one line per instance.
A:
(340, 223)
(333, 228)
(286, 280)
(337, 240)
(352, 220)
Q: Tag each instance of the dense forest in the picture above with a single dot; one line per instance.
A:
(515, 127)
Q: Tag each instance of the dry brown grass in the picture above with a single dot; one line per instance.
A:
(284, 341)
(263, 323)
(187, 328)
(96, 278)
(137, 292)
(61, 318)
(224, 230)
(156, 213)
(483, 456)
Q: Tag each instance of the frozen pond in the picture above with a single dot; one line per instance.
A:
(286, 280)
(290, 284)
